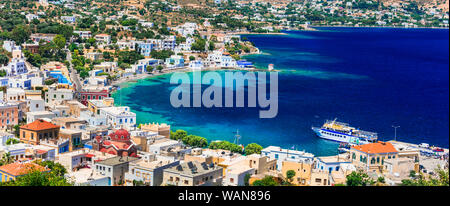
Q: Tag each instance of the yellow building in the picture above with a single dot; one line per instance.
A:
(320, 178)
(370, 157)
(37, 131)
(162, 129)
(94, 105)
(302, 172)
(12, 171)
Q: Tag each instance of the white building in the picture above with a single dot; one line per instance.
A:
(175, 61)
(196, 65)
(17, 64)
(126, 44)
(36, 105)
(93, 120)
(83, 34)
(103, 38)
(187, 28)
(108, 67)
(15, 94)
(119, 117)
(286, 155)
(69, 19)
(19, 82)
(30, 17)
(149, 170)
(56, 96)
(9, 45)
(4, 136)
(32, 116)
(158, 147)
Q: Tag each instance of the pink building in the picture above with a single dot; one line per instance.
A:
(9, 115)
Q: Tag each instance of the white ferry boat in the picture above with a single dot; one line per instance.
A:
(342, 132)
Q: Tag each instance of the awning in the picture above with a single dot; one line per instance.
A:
(90, 155)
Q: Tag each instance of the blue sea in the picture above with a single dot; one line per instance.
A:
(371, 78)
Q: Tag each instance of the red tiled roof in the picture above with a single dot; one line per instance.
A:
(38, 125)
(379, 147)
(39, 151)
(18, 168)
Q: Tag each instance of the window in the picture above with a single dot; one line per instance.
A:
(372, 161)
(354, 156)
(378, 159)
(231, 180)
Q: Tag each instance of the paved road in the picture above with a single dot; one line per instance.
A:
(73, 75)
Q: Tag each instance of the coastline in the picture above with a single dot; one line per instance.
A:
(255, 33)
(381, 27)
(187, 70)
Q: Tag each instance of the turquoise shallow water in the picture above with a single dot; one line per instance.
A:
(370, 78)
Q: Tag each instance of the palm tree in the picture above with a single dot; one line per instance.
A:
(7, 159)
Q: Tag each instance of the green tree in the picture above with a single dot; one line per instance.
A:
(358, 179)
(225, 145)
(195, 141)
(381, 180)
(21, 33)
(199, 45)
(211, 46)
(17, 130)
(178, 135)
(37, 178)
(290, 174)
(442, 179)
(6, 159)
(412, 174)
(266, 181)
(253, 148)
(56, 168)
(11, 141)
(60, 41)
(3, 59)
(84, 74)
